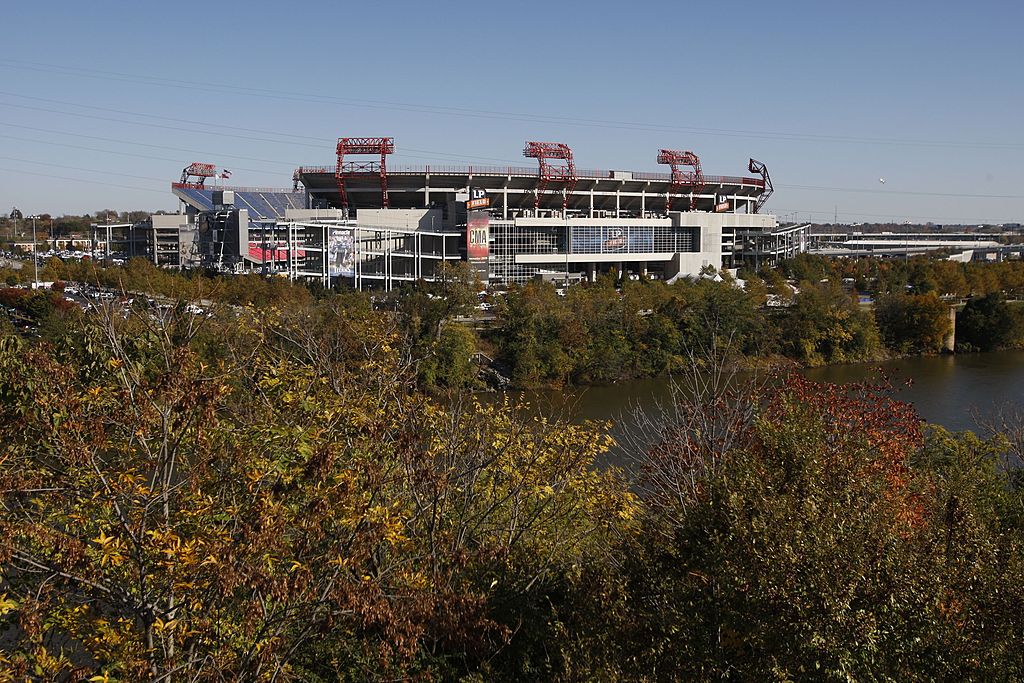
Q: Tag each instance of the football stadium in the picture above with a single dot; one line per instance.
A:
(367, 224)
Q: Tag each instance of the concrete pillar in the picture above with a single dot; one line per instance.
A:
(617, 203)
(643, 202)
(591, 202)
(504, 203)
(949, 343)
(593, 272)
(426, 193)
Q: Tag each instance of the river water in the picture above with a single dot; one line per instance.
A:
(946, 390)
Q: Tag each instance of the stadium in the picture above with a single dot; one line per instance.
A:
(366, 224)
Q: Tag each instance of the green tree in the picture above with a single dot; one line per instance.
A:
(989, 323)
(825, 325)
(913, 323)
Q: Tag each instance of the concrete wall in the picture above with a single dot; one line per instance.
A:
(314, 214)
(410, 219)
(174, 220)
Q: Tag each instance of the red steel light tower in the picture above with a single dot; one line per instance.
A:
(356, 169)
(756, 166)
(694, 179)
(549, 173)
(200, 172)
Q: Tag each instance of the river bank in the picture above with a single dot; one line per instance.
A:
(949, 390)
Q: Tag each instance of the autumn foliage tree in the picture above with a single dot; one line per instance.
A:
(834, 539)
(266, 493)
(284, 509)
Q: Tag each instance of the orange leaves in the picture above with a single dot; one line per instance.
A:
(855, 432)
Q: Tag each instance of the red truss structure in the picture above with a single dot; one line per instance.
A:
(549, 173)
(200, 172)
(756, 166)
(362, 169)
(694, 179)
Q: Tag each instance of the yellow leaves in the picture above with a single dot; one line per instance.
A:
(110, 549)
(629, 509)
(102, 678)
(394, 534)
(7, 605)
(391, 526)
(161, 626)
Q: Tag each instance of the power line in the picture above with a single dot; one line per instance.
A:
(143, 144)
(106, 172)
(899, 193)
(106, 151)
(83, 180)
(890, 217)
(488, 114)
(250, 138)
(86, 170)
(959, 195)
(323, 142)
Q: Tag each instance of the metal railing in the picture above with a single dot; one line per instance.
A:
(233, 188)
(585, 174)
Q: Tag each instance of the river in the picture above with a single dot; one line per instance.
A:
(946, 390)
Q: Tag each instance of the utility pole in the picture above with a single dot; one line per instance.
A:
(35, 253)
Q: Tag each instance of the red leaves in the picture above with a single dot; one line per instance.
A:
(858, 430)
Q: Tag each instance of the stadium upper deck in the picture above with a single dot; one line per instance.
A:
(512, 190)
(262, 203)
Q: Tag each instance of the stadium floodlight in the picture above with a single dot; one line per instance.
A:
(676, 159)
(756, 166)
(350, 169)
(565, 173)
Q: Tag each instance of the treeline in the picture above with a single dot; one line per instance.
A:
(597, 334)
(140, 277)
(920, 275)
(607, 331)
(68, 225)
(267, 495)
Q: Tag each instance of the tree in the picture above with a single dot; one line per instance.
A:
(825, 325)
(821, 533)
(913, 323)
(284, 509)
(988, 323)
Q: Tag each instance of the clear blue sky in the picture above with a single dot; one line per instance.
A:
(832, 96)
